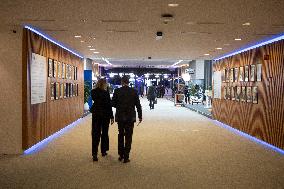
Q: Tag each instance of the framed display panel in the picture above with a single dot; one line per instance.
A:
(61, 90)
(233, 93)
(228, 93)
(77, 89)
(52, 91)
(243, 95)
(70, 72)
(59, 70)
(64, 90)
(63, 70)
(227, 75)
(55, 68)
(67, 70)
(181, 87)
(249, 96)
(224, 92)
(238, 93)
(70, 89)
(259, 72)
(252, 72)
(67, 90)
(246, 73)
(254, 95)
(223, 76)
(232, 75)
(50, 67)
(57, 91)
(236, 74)
(241, 74)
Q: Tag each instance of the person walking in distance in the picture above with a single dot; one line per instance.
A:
(125, 99)
(151, 96)
(101, 116)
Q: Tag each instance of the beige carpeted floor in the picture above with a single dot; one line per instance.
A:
(173, 148)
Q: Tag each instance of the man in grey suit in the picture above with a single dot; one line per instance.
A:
(125, 99)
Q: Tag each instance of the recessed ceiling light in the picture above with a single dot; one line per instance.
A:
(89, 46)
(206, 54)
(96, 52)
(219, 48)
(92, 49)
(82, 41)
(226, 44)
(94, 38)
(190, 23)
(77, 36)
(238, 39)
(246, 24)
(173, 5)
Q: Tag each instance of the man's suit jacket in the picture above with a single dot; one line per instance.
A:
(125, 99)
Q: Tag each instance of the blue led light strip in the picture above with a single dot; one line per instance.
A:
(38, 146)
(269, 146)
(52, 40)
(262, 43)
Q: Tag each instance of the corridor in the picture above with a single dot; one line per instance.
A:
(172, 148)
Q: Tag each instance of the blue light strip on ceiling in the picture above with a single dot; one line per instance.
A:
(266, 145)
(51, 40)
(259, 44)
(38, 146)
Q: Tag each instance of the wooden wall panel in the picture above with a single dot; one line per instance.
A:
(264, 120)
(43, 120)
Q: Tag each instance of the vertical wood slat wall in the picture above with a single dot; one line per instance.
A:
(43, 120)
(264, 120)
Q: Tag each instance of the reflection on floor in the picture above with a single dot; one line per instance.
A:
(172, 148)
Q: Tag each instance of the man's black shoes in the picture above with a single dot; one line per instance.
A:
(95, 158)
(104, 153)
(120, 158)
(126, 160)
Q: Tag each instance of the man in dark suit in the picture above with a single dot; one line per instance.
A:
(125, 99)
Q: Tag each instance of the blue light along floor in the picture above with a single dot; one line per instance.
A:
(265, 144)
(39, 146)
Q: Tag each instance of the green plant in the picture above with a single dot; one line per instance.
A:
(193, 90)
(87, 91)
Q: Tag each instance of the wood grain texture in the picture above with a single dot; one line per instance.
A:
(43, 120)
(264, 120)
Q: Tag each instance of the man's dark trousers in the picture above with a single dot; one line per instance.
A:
(125, 131)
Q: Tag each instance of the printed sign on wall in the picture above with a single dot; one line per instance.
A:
(38, 79)
(217, 79)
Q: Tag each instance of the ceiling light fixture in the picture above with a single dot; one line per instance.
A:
(177, 62)
(92, 49)
(89, 46)
(238, 39)
(107, 61)
(219, 48)
(246, 24)
(51, 40)
(261, 43)
(77, 36)
(96, 52)
(82, 41)
(206, 54)
(173, 5)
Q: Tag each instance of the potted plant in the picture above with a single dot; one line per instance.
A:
(87, 92)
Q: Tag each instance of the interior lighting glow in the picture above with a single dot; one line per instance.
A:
(37, 147)
(246, 24)
(92, 49)
(206, 54)
(96, 52)
(265, 144)
(259, 44)
(77, 36)
(51, 40)
(173, 5)
(177, 62)
(219, 48)
(106, 60)
(238, 39)
(82, 41)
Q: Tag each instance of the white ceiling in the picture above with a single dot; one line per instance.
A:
(125, 29)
